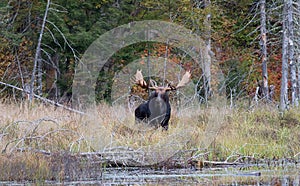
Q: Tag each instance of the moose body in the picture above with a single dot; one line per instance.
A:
(157, 110)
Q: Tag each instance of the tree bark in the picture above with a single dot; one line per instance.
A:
(297, 35)
(284, 71)
(207, 58)
(263, 44)
(39, 76)
(37, 60)
(291, 48)
(298, 73)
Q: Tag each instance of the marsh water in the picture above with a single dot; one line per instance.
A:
(188, 177)
(208, 176)
(245, 175)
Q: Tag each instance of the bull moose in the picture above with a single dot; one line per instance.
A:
(156, 110)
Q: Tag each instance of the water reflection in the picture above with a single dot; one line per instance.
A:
(208, 176)
(288, 175)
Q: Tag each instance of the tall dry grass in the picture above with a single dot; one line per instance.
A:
(41, 142)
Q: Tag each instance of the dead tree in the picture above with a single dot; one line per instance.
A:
(37, 59)
(263, 44)
(285, 57)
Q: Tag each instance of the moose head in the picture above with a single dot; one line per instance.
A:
(157, 110)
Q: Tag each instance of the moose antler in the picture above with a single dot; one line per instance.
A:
(185, 79)
(139, 79)
(153, 84)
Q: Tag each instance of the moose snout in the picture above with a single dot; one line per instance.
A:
(159, 98)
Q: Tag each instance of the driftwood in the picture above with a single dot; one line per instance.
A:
(128, 157)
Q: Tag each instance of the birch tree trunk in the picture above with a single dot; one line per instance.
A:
(263, 44)
(37, 58)
(284, 71)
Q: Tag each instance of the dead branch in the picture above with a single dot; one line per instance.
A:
(34, 150)
(221, 163)
(44, 99)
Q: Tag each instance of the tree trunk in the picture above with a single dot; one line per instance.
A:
(284, 77)
(207, 58)
(297, 35)
(298, 73)
(37, 60)
(263, 44)
(294, 101)
(296, 65)
(39, 77)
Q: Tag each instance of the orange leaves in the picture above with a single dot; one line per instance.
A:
(9, 62)
(139, 91)
(6, 56)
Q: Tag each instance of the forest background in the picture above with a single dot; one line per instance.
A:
(41, 43)
(255, 44)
